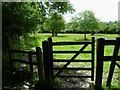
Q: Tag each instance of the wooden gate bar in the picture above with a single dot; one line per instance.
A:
(74, 76)
(71, 59)
(24, 52)
(71, 52)
(64, 60)
(69, 68)
(108, 58)
(71, 43)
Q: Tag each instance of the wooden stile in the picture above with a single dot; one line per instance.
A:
(29, 62)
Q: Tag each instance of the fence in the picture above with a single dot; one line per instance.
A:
(48, 58)
(101, 43)
(28, 61)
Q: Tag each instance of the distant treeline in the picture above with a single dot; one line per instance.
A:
(111, 27)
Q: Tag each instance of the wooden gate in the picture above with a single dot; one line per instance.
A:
(49, 60)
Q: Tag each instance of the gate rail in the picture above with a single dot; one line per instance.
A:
(48, 58)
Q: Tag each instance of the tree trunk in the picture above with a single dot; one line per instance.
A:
(85, 37)
(55, 33)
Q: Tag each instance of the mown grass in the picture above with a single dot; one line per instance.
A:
(78, 38)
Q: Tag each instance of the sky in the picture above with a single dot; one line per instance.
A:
(105, 10)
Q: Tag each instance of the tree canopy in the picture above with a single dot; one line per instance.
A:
(85, 21)
(55, 23)
(19, 18)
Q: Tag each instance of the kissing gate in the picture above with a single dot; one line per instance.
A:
(48, 56)
(51, 71)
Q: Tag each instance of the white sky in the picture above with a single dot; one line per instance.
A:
(105, 10)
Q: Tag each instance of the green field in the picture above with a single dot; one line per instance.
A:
(78, 38)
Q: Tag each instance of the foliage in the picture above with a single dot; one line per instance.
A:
(59, 7)
(55, 23)
(19, 18)
(82, 23)
(85, 21)
(89, 21)
(110, 27)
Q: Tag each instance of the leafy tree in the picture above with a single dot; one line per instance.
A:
(58, 7)
(74, 23)
(89, 22)
(55, 10)
(109, 27)
(55, 23)
(85, 22)
(19, 18)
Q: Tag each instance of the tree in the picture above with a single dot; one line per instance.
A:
(58, 7)
(74, 23)
(55, 23)
(89, 22)
(18, 19)
(55, 11)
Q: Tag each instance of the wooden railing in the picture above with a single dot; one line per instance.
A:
(29, 61)
(101, 43)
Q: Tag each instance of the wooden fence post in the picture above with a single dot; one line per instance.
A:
(46, 61)
(93, 52)
(10, 47)
(30, 64)
(99, 63)
(40, 63)
(51, 56)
